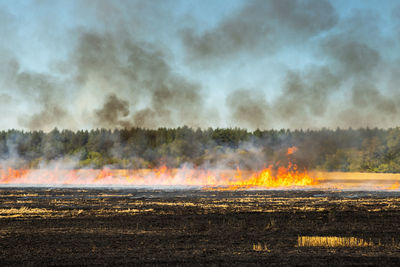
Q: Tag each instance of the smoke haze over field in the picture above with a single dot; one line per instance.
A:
(254, 64)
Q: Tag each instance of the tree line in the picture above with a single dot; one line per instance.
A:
(364, 149)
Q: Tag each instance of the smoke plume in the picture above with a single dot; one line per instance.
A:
(121, 64)
(344, 86)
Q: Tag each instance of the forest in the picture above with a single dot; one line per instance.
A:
(364, 149)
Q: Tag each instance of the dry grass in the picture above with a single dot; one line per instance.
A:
(42, 212)
(34, 212)
(261, 247)
(125, 211)
(19, 195)
(332, 241)
(24, 210)
(358, 180)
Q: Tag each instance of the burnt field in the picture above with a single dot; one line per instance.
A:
(46, 226)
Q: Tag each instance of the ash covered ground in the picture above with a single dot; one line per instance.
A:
(105, 226)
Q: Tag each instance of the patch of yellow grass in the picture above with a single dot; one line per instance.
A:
(261, 247)
(30, 212)
(24, 210)
(18, 195)
(332, 241)
(128, 211)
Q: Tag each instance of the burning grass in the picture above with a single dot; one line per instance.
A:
(269, 178)
(273, 176)
(207, 179)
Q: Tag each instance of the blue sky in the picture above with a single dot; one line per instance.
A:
(227, 63)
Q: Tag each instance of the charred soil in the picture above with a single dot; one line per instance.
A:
(50, 226)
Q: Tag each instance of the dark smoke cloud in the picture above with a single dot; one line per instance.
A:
(111, 78)
(353, 57)
(345, 79)
(138, 73)
(261, 27)
(369, 106)
(50, 114)
(365, 95)
(45, 90)
(113, 113)
(306, 95)
(117, 73)
(248, 108)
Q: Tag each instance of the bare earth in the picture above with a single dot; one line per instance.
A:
(44, 226)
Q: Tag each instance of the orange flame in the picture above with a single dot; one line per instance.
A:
(291, 150)
(217, 179)
(284, 177)
(269, 178)
(163, 176)
(394, 186)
